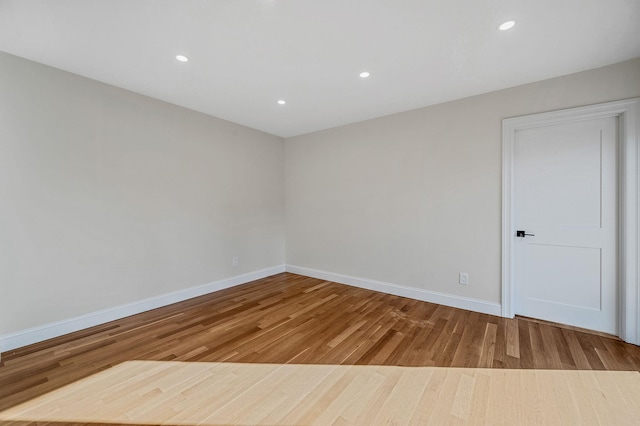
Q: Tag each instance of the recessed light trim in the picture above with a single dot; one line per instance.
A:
(282, 102)
(507, 25)
(182, 58)
(364, 74)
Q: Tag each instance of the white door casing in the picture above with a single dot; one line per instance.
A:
(565, 197)
(627, 115)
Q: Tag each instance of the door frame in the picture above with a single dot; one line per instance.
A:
(628, 114)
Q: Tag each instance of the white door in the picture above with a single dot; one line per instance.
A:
(565, 189)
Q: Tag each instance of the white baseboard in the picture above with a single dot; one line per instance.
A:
(47, 331)
(467, 303)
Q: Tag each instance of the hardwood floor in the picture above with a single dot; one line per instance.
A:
(210, 394)
(289, 318)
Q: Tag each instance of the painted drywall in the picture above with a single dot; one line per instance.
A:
(414, 198)
(108, 197)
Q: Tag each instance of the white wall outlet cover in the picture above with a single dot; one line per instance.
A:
(463, 278)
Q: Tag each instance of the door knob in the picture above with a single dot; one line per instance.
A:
(523, 234)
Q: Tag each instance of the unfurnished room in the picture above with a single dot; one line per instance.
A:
(295, 212)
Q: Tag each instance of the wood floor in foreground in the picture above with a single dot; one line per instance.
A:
(196, 393)
(293, 319)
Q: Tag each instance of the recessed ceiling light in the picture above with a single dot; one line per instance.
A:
(506, 25)
(282, 102)
(364, 74)
(182, 58)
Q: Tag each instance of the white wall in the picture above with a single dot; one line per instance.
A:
(108, 197)
(414, 198)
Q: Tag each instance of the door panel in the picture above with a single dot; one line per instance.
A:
(565, 194)
(564, 264)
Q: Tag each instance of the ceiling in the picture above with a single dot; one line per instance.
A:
(245, 55)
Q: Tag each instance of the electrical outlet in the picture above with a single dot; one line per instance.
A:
(463, 278)
(235, 261)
